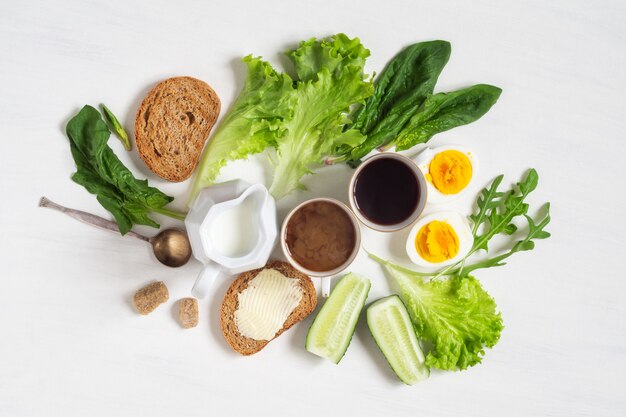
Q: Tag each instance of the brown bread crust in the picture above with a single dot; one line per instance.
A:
(245, 345)
(173, 124)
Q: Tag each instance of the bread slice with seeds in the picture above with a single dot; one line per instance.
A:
(230, 305)
(173, 124)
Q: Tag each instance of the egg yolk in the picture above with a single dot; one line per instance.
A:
(450, 171)
(437, 242)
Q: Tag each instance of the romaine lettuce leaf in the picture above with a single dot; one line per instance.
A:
(252, 123)
(456, 315)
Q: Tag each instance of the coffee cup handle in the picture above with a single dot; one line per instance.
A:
(205, 280)
(326, 286)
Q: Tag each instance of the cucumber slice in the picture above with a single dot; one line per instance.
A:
(333, 327)
(391, 327)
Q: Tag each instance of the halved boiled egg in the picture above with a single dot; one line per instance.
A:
(439, 239)
(448, 170)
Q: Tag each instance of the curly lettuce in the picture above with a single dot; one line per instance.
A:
(331, 79)
(303, 118)
(456, 315)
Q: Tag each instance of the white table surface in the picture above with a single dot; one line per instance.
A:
(71, 343)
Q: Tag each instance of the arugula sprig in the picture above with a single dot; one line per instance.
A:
(535, 231)
(495, 215)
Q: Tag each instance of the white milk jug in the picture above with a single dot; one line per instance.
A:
(232, 229)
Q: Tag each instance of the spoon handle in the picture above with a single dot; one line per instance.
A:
(88, 218)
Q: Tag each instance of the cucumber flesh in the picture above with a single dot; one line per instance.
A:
(333, 327)
(389, 323)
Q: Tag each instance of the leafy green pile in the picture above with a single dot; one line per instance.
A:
(404, 112)
(304, 119)
(307, 120)
(98, 170)
(449, 308)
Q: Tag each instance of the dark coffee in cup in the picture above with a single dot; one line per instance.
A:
(388, 192)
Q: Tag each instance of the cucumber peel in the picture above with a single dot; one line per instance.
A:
(333, 327)
(390, 324)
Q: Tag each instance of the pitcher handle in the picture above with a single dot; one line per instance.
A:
(205, 280)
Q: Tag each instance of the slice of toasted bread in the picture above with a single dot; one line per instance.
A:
(173, 124)
(230, 304)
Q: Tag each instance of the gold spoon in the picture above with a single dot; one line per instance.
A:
(171, 246)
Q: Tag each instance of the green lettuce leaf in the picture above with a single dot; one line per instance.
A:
(304, 119)
(456, 315)
(101, 173)
(331, 80)
(335, 55)
(252, 123)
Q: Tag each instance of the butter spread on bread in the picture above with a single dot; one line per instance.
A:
(265, 305)
(257, 317)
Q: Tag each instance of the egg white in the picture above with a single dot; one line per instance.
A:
(423, 160)
(460, 225)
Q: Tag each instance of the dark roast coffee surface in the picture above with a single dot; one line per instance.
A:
(386, 191)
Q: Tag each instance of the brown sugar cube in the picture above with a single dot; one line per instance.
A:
(188, 312)
(148, 298)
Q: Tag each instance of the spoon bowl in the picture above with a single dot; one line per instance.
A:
(171, 247)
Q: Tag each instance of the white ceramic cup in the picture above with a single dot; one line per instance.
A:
(421, 203)
(325, 275)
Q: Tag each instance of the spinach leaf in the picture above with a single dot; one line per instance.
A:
(399, 92)
(444, 111)
(101, 173)
(403, 110)
(408, 78)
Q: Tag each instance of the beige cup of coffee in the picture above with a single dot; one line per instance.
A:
(321, 238)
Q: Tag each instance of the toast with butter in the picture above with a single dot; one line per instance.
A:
(261, 304)
(172, 125)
